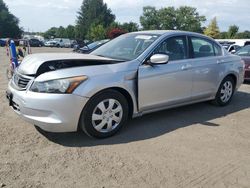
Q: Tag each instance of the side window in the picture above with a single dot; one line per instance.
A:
(174, 47)
(217, 50)
(202, 47)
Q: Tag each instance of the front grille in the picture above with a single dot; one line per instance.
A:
(21, 81)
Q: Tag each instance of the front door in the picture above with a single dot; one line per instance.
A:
(166, 84)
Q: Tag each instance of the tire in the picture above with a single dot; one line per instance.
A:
(104, 114)
(9, 73)
(225, 92)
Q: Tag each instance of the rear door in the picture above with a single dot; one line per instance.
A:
(207, 57)
(166, 84)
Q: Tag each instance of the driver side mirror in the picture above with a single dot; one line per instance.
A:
(158, 59)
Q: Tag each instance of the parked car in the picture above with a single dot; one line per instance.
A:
(35, 43)
(51, 43)
(232, 48)
(63, 43)
(244, 53)
(73, 43)
(92, 46)
(2, 42)
(134, 74)
(79, 44)
(23, 42)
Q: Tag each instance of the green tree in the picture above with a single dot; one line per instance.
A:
(150, 18)
(213, 30)
(129, 26)
(223, 35)
(243, 35)
(188, 19)
(8, 23)
(114, 25)
(93, 12)
(61, 32)
(232, 31)
(79, 33)
(183, 18)
(96, 32)
(51, 33)
(70, 32)
(168, 18)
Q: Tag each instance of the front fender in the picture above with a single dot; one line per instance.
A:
(123, 80)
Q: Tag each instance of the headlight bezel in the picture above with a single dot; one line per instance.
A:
(48, 86)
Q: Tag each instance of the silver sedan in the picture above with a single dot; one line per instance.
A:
(134, 74)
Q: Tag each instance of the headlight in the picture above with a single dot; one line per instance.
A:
(66, 85)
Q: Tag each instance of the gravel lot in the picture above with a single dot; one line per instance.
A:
(193, 146)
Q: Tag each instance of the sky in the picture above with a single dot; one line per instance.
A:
(40, 15)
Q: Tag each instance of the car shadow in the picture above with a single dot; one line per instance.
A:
(156, 124)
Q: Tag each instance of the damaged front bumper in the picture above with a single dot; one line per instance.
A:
(50, 112)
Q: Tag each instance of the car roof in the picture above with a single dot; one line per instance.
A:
(170, 32)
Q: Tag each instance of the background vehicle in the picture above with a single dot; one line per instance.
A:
(244, 53)
(79, 44)
(62, 42)
(232, 48)
(73, 43)
(233, 45)
(2, 42)
(35, 43)
(92, 46)
(51, 43)
(23, 42)
(134, 74)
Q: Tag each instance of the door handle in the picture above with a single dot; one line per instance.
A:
(186, 67)
(220, 61)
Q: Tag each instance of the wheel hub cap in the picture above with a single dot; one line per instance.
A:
(226, 91)
(107, 115)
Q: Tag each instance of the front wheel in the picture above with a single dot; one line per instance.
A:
(225, 92)
(9, 73)
(104, 114)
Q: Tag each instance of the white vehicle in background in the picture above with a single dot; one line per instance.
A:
(51, 43)
(63, 42)
(232, 48)
(233, 45)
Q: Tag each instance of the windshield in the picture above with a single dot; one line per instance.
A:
(244, 51)
(126, 47)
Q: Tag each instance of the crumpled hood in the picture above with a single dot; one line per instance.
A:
(31, 63)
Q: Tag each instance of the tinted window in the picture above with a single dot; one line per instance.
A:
(202, 47)
(174, 47)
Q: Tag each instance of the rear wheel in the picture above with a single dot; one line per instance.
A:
(104, 114)
(225, 92)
